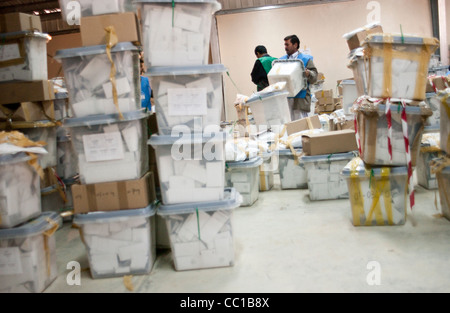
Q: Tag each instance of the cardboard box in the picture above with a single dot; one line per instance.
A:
(127, 28)
(357, 39)
(436, 83)
(324, 94)
(16, 22)
(300, 125)
(325, 101)
(339, 107)
(346, 125)
(330, 107)
(18, 92)
(330, 142)
(114, 196)
(28, 111)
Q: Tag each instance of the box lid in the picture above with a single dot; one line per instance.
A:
(347, 82)
(26, 33)
(328, 157)
(288, 151)
(186, 70)
(358, 166)
(417, 110)
(164, 140)
(108, 217)
(232, 200)
(255, 162)
(399, 39)
(104, 119)
(93, 50)
(265, 96)
(8, 159)
(35, 227)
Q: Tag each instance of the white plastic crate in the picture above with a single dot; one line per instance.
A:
(202, 234)
(20, 199)
(292, 175)
(290, 71)
(398, 65)
(87, 71)
(28, 255)
(82, 8)
(443, 179)
(373, 132)
(378, 196)
(178, 35)
(243, 176)
(119, 243)
(324, 180)
(23, 56)
(189, 96)
(190, 168)
(360, 70)
(109, 149)
(270, 109)
(349, 94)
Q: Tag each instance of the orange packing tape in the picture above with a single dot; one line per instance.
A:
(387, 79)
(111, 41)
(47, 234)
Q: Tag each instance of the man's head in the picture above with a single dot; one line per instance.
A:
(291, 44)
(260, 51)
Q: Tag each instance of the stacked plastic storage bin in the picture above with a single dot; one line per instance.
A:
(390, 121)
(108, 133)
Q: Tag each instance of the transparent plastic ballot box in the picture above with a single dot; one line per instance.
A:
(28, 255)
(292, 170)
(119, 243)
(292, 72)
(87, 72)
(271, 109)
(110, 148)
(176, 33)
(202, 234)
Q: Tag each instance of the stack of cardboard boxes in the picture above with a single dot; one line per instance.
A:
(326, 102)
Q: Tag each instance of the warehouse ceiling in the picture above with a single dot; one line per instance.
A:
(53, 23)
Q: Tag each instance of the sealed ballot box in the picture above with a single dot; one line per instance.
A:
(177, 33)
(243, 176)
(323, 172)
(109, 148)
(292, 170)
(270, 109)
(188, 96)
(398, 65)
(191, 168)
(434, 122)
(88, 72)
(20, 199)
(378, 195)
(119, 243)
(72, 12)
(374, 128)
(28, 255)
(429, 150)
(40, 131)
(23, 56)
(292, 72)
(360, 70)
(202, 234)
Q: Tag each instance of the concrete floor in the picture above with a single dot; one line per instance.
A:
(286, 244)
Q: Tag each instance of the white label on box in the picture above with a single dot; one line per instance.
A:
(103, 147)
(10, 263)
(187, 101)
(9, 52)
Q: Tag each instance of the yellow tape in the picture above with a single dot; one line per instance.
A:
(387, 80)
(112, 40)
(262, 180)
(357, 197)
(380, 187)
(47, 234)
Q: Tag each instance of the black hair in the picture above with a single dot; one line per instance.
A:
(293, 39)
(260, 49)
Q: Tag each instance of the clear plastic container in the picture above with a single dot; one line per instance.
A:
(404, 76)
(86, 8)
(119, 243)
(324, 180)
(109, 149)
(188, 96)
(290, 71)
(176, 33)
(292, 175)
(373, 133)
(201, 234)
(378, 196)
(443, 179)
(62, 106)
(190, 168)
(424, 176)
(28, 255)
(271, 109)
(349, 94)
(244, 178)
(23, 57)
(20, 200)
(67, 157)
(360, 71)
(87, 71)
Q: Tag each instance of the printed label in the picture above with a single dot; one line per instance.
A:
(103, 147)
(187, 101)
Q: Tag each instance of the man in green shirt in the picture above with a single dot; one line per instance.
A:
(261, 68)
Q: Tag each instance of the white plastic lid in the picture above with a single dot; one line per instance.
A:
(288, 151)
(232, 200)
(35, 227)
(108, 217)
(94, 50)
(328, 157)
(266, 96)
(255, 162)
(361, 169)
(104, 119)
(186, 70)
(8, 159)
(399, 39)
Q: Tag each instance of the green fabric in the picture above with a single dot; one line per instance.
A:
(266, 62)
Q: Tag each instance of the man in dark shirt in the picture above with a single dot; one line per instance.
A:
(261, 68)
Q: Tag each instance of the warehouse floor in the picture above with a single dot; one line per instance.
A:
(286, 244)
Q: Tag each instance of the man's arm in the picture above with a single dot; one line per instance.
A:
(311, 72)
